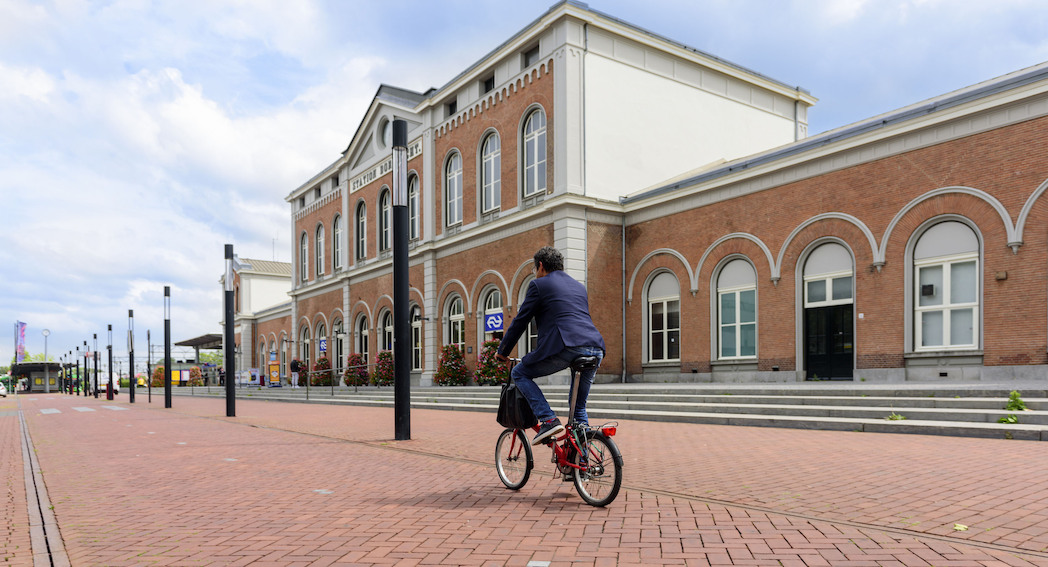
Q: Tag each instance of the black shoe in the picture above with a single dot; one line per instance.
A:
(548, 429)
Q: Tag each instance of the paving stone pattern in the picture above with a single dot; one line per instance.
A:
(297, 484)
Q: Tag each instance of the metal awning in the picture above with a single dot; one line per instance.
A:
(210, 341)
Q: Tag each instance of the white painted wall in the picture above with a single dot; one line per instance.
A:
(259, 292)
(643, 128)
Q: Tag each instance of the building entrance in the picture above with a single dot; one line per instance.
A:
(828, 342)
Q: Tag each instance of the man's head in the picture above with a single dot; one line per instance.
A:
(549, 259)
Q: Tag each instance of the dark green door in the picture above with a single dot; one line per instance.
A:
(828, 342)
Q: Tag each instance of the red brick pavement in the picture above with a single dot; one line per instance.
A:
(295, 484)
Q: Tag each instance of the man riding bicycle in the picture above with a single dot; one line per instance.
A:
(560, 307)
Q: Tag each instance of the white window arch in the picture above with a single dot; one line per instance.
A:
(534, 153)
(336, 243)
(303, 258)
(385, 329)
(828, 278)
(320, 250)
(416, 338)
(946, 268)
(361, 331)
(362, 232)
(491, 173)
(453, 190)
(320, 337)
(663, 318)
(492, 306)
(456, 317)
(737, 310)
(338, 335)
(385, 222)
(303, 349)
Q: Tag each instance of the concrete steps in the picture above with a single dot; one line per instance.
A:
(968, 410)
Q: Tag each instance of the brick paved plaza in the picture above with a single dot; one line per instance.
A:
(297, 484)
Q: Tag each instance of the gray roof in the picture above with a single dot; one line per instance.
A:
(265, 267)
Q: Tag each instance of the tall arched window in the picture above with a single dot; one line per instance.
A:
(320, 250)
(303, 258)
(321, 341)
(283, 356)
(303, 350)
(362, 232)
(491, 173)
(413, 208)
(416, 338)
(529, 341)
(663, 318)
(453, 190)
(362, 338)
(737, 310)
(386, 330)
(263, 357)
(456, 324)
(336, 243)
(946, 288)
(339, 337)
(492, 306)
(535, 153)
(385, 221)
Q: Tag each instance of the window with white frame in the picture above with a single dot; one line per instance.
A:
(385, 220)
(336, 244)
(828, 276)
(456, 324)
(362, 232)
(339, 336)
(386, 330)
(737, 311)
(413, 208)
(321, 341)
(362, 338)
(491, 173)
(453, 190)
(283, 355)
(664, 318)
(320, 250)
(263, 359)
(946, 288)
(416, 338)
(303, 258)
(535, 153)
(529, 340)
(492, 306)
(303, 350)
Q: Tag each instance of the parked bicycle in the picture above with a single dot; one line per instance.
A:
(582, 454)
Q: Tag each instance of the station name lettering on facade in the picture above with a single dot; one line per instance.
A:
(383, 168)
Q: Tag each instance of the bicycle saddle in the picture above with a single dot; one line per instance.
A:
(584, 362)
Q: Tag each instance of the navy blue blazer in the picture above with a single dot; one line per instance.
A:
(560, 307)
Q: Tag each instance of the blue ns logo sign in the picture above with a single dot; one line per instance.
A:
(493, 322)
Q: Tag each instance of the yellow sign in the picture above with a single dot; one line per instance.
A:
(274, 373)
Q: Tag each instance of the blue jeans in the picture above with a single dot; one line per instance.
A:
(524, 375)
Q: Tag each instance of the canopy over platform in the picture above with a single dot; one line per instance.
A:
(211, 341)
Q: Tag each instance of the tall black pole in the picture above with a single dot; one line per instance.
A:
(84, 380)
(79, 376)
(131, 352)
(167, 346)
(94, 383)
(230, 363)
(401, 324)
(109, 390)
(149, 367)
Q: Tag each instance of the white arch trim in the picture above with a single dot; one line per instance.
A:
(1020, 225)
(694, 288)
(745, 236)
(1014, 241)
(448, 284)
(476, 283)
(841, 216)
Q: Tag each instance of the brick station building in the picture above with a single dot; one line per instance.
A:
(717, 240)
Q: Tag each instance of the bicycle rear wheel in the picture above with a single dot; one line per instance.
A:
(513, 458)
(599, 482)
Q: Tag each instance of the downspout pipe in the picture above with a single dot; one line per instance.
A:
(623, 325)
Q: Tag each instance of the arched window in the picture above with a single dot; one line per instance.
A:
(493, 306)
(491, 173)
(413, 208)
(529, 341)
(416, 338)
(946, 288)
(303, 350)
(263, 358)
(362, 232)
(385, 222)
(456, 324)
(828, 313)
(737, 310)
(283, 356)
(336, 244)
(320, 250)
(453, 190)
(321, 341)
(339, 335)
(386, 330)
(362, 338)
(534, 153)
(663, 318)
(303, 258)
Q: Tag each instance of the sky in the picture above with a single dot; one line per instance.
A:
(139, 137)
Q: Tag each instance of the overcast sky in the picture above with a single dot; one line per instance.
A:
(138, 137)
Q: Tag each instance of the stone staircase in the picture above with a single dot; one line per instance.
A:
(964, 409)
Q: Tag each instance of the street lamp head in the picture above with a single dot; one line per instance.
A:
(45, 332)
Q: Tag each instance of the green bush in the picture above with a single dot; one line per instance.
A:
(451, 371)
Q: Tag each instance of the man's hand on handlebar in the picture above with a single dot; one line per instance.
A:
(501, 357)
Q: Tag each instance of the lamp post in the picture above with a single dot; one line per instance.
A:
(149, 367)
(47, 367)
(231, 393)
(109, 389)
(167, 346)
(84, 381)
(401, 325)
(69, 359)
(94, 348)
(131, 352)
(79, 376)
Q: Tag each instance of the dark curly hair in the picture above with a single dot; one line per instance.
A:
(550, 259)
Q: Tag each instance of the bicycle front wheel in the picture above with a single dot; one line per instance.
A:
(513, 459)
(599, 479)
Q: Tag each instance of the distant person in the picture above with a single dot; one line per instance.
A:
(560, 307)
